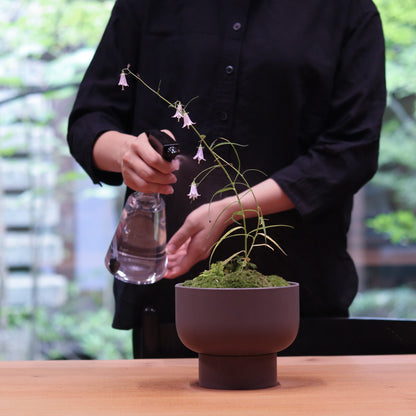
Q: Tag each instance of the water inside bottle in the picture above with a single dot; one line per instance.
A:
(137, 252)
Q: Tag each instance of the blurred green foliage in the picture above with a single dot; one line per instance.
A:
(72, 332)
(394, 303)
(397, 163)
(45, 49)
(399, 225)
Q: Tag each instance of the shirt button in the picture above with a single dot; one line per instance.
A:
(223, 116)
(237, 26)
(229, 69)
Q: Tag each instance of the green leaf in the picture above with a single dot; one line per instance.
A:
(71, 176)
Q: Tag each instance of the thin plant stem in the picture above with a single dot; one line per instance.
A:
(226, 166)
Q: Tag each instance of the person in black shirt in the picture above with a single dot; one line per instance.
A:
(300, 84)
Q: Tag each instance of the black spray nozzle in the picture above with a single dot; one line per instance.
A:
(163, 144)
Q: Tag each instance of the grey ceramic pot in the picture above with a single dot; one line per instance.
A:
(237, 332)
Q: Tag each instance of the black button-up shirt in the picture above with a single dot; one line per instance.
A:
(299, 83)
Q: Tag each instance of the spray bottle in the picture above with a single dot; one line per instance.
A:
(137, 251)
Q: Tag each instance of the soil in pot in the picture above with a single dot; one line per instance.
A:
(233, 275)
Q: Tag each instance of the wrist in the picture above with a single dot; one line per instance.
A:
(231, 209)
(109, 150)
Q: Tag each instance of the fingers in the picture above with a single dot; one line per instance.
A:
(139, 183)
(179, 240)
(168, 132)
(145, 170)
(151, 157)
(192, 235)
(192, 242)
(176, 266)
(186, 247)
(181, 262)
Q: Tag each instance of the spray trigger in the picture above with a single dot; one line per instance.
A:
(163, 144)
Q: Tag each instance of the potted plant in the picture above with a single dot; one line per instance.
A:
(234, 317)
(237, 331)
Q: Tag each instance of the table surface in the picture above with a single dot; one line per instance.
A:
(336, 386)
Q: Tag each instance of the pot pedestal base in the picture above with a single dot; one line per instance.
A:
(237, 372)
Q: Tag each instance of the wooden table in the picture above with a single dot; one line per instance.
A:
(336, 386)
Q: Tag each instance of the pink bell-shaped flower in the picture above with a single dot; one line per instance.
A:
(179, 112)
(187, 121)
(193, 193)
(123, 81)
(199, 154)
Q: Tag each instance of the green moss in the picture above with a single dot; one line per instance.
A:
(234, 276)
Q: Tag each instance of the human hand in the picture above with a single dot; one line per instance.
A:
(194, 240)
(144, 169)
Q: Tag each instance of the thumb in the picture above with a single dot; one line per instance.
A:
(178, 240)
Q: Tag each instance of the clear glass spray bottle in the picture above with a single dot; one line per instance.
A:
(137, 251)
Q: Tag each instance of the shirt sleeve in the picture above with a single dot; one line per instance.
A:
(344, 157)
(100, 104)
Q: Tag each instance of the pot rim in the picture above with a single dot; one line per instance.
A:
(291, 285)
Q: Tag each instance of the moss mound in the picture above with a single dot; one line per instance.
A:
(233, 275)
